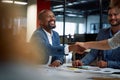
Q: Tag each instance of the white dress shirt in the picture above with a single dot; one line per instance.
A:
(50, 41)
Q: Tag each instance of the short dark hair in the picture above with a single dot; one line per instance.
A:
(114, 3)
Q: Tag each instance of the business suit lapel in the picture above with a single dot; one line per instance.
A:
(45, 36)
(54, 40)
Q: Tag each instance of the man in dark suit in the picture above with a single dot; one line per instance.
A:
(49, 39)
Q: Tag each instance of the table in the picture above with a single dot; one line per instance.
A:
(65, 72)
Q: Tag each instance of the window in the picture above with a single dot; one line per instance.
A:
(81, 28)
(70, 28)
(59, 27)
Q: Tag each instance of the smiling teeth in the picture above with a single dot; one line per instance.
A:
(52, 22)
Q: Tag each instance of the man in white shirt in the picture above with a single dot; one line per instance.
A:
(49, 39)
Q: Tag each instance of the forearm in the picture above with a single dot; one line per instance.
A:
(102, 45)
(89, 57)
(113, 64)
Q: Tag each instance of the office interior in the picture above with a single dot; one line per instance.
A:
(76, 20)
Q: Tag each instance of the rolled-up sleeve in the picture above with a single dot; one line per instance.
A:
(114, 42)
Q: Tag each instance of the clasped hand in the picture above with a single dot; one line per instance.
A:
(79, 47)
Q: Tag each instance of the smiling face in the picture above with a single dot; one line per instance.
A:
(114, 16)
(48, 20)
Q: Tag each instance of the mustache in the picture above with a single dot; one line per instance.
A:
(49, 25)
(113, 20)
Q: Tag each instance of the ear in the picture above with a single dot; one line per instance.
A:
(40, 22)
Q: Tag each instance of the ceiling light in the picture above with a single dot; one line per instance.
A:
(75, 3)
(73, 15)
(69, 4)
(20, 3)
(7, 1)
(60, 9)
(69, 11)
(57, 6)
(80, 16)
(59, 16)
(83, 1)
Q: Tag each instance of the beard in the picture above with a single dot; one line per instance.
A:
(51, 26)
(115, 24)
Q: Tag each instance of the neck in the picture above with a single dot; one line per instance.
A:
(115, 29)
(48, 30)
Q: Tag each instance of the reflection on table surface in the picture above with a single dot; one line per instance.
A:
(66, 71)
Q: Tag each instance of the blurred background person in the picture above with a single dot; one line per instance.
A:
(109, 57)
(111, 43)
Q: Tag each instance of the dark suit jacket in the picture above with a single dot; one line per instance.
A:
(40, 38)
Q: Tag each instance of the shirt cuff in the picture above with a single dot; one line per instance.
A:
(111, 43)
(66, 50)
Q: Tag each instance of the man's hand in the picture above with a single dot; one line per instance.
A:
(77, 63)
(102, 64)
(77, 49)
(55, 64)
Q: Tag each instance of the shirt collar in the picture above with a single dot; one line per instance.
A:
(48, 34)
(110, 32)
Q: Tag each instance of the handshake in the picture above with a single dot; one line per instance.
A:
(78, 47)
